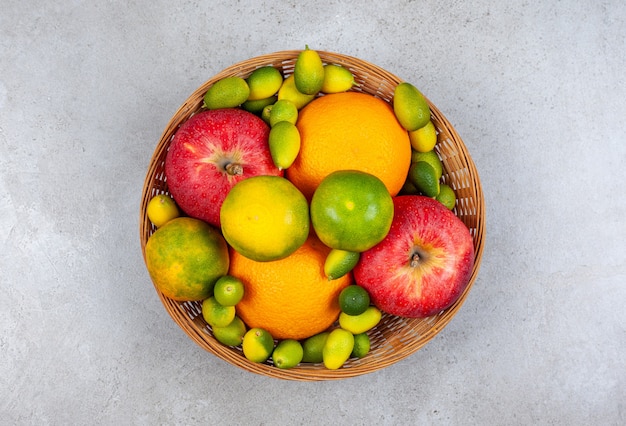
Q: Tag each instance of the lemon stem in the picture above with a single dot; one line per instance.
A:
(234, 169)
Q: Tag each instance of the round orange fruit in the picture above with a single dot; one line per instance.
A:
(185, 257)
(291, 297)
(350, 131)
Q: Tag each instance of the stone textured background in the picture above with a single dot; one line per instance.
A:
(537, 92)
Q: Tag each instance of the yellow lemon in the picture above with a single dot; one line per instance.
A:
(309, 72)
(338, 348)
(424, 139)
(257, 344)
(337, 79)
(357, 324)
(289, 91)
(161, 209)
(265, 218)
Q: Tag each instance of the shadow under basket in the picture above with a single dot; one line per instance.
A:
(394, 338)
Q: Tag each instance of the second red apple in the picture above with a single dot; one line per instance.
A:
(423, 264)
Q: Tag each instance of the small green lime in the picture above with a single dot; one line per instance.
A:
(232, 334)
(424, 177)
(228, 290)
(256, 107)
(446, 196)
(287, 354)
(361, 345)
(431, 158)
(215, 314)
(264, 82)
(314, 346)
(229, 92)
(266, 112)
(283, 110)
(257, 345)
(354, 300)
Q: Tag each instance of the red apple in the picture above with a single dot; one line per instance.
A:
(423, 264)
(210, 153)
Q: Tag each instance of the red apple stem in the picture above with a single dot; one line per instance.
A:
(415, 260)
(234, 169)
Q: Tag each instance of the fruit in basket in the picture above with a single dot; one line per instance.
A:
(425, 179)
(446, 196)
(256, 107)
(350, 131)
(423, 265)
(424, 139)
(257, 344)
(229, 92)
(185, 257)
(308, 72)
(362, 322)
(313, 347)
(354, 300)
(351, 210)
(410, 107)
(215, 314)
(210, 153)
(431, 158)
(228, 290)
(161, 209)
(340, 262)
(337, 79)
(284, 142)
(283, 110)
(264, 82)
(287, 354)
(288, 91)
(362, 345)
(232, 334)
(338, 348)
(265, 218)
(291, 297)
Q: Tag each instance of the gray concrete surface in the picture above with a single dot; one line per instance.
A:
(535, 89)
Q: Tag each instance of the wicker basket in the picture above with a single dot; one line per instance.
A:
(394, 338)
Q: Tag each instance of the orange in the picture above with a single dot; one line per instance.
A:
(350, 131)
(185, 257)
(291, 297)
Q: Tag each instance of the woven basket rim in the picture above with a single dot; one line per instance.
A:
(456, 160)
